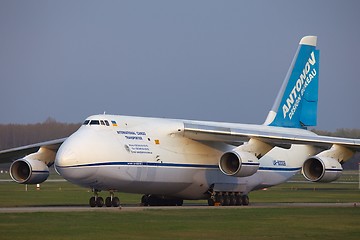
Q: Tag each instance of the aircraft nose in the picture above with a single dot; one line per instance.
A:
(71, 160)
(65, 156)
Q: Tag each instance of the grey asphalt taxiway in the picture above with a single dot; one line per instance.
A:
(127, 208)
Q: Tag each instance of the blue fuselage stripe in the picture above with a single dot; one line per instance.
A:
(176, 165)
(279, 169)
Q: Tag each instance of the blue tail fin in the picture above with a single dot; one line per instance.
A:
(296, 103)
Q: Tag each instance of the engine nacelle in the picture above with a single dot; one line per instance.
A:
(239, 163)
(28, 171)
(321, 169)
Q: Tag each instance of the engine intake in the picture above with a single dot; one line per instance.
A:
(321, 169)
(239, 164)
(28, 171)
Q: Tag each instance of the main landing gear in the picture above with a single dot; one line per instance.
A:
(151, 200)
(228, 199)
(97, 201)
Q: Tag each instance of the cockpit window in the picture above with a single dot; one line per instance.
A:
(99, 122)
(95, 122)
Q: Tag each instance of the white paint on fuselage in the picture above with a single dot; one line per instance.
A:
(151, 156)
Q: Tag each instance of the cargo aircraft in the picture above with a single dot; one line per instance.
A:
(170, 160)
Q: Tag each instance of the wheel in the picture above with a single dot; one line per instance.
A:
(179, 202)
(226, 198)
(92, 202)
(152, 200)
(99, 202)
(115, 202)
(211, 202)
(238, 200)
(219, 199)
(232, 200)
(245, 200)
(145, 200)
(108, 202)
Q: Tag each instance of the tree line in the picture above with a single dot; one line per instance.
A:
(352, 163)
(16, 135)
(341, 132)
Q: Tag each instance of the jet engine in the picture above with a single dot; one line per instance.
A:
(29, 171)
(321, 169)
(239, 163)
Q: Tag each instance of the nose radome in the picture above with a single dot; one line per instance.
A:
(72, 159)
(65, 156)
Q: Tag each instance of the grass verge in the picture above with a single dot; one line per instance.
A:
(218, 223)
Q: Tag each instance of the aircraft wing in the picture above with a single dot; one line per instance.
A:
(17, 153)
(275, 136)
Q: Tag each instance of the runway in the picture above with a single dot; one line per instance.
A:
(129, 208)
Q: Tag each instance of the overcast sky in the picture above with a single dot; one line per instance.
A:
(204, 60)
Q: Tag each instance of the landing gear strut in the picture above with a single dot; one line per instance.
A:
(112, 201)
(97, 201)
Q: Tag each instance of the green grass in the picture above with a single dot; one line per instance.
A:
(213, 223)
(51, 194)
(217, 223)
(309, 192)
(64, 193)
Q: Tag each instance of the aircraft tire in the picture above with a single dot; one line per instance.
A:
(219, 199)
(238, 200)
(232, 200)
(115, 202)
(92, 202)
(245, 200)
(226, 198)
(145, 200)
(179, 202)
(108, 202)
(99, 202)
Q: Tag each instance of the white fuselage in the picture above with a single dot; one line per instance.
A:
(152, 156)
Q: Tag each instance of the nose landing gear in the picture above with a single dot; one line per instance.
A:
(112, 201)
(97, 201)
